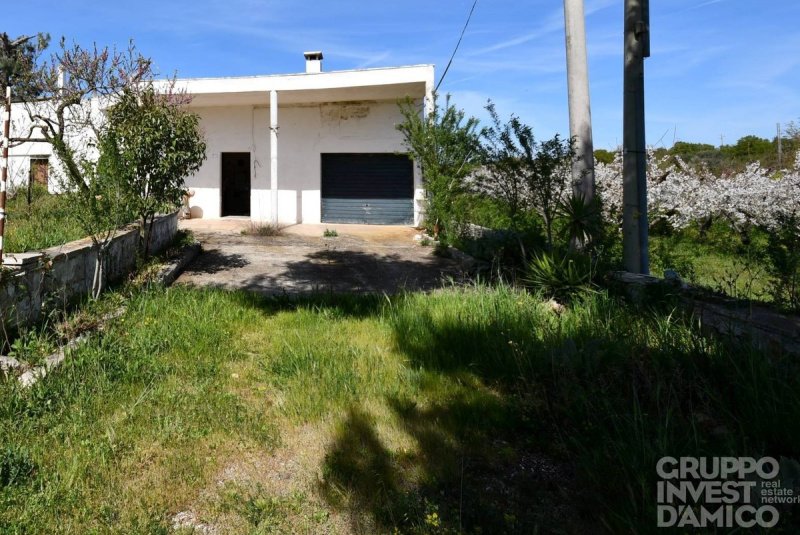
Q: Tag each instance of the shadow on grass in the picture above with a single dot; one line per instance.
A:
(520, 398)
(603, 391)
(469, 470)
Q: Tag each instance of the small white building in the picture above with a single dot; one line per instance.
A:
(313, 147)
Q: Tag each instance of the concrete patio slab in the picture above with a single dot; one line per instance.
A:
(362, 259)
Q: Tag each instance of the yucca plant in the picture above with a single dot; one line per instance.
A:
(583, 220)
(560, 276)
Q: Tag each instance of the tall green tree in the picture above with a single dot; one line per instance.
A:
(447, 147)
(18, 61)
(150, 145)
(751, 149)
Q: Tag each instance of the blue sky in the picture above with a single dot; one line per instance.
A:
(718, 67)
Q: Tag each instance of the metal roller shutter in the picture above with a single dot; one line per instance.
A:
(375, 189)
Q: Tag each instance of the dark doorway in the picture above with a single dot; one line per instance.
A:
(235, 183)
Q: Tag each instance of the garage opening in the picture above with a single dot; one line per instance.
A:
(374, 188)
(235, 183)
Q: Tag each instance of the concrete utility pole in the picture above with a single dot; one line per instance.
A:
(634, 162)
(780, 147)
(580, 112)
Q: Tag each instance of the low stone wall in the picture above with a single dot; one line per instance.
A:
(768, 329)
(61, 274)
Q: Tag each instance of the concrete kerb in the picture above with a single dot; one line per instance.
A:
(172, 270)
(31, 375)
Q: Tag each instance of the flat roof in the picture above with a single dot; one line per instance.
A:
(385, 83)
(424, 66)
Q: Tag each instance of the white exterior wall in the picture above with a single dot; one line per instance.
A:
(19, 157)
(304, 132)
(81, 142)
(336, 112)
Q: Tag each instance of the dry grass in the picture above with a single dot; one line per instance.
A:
(263, 228)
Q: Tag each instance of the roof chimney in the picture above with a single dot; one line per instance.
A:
(313, 61)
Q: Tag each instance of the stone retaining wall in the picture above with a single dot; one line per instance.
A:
(65, 272)
(768, 329)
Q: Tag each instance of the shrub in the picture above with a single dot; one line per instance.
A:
(525, 174)
(583, 222)
(447, 149)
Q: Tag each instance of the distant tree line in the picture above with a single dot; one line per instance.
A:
(729, 159)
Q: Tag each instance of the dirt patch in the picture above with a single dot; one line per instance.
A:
(263, 489)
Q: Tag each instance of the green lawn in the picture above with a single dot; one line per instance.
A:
(475, 409)
(46, 222)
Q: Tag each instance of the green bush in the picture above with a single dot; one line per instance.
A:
(446, 146)
(16, 466)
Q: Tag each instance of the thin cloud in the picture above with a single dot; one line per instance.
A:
(698, 6)
(554, 22)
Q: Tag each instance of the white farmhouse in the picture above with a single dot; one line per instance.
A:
(313, 147)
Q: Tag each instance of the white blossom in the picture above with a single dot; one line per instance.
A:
(683, 195)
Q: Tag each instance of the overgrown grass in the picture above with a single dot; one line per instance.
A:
(46, 222)
(462, 410)
(131, 423)
(717, 260)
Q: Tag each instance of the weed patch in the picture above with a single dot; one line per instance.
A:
(263, 228)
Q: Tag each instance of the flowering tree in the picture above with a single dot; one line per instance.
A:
(122, 147)
(683, 195)
(67, 110)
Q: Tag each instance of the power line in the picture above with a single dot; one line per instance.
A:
(469, 18)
